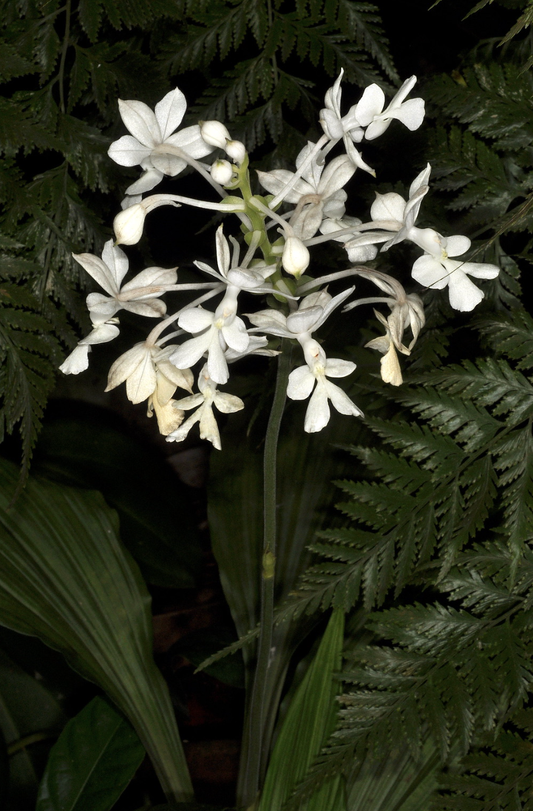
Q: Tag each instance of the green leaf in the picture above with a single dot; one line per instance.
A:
(93, 761)
(65, 578)
(309, 721)
(30, 719)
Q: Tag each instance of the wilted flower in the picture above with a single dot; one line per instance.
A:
(204, 402)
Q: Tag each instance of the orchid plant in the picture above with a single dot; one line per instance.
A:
(193, 348)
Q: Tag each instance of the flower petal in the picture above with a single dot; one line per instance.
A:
(127, 151)
(301, 383)
(169, 112)
(140, 121)
(318, 413)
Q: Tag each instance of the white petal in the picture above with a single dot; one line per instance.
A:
(126, 364)
(169, 112)
(209, 428)
(411, 113)
(116, 260)
(341, 401)
(153, 308)
(456, 245)
(335, 367)
(141, 383)
(101, 308)
(127, 151)
(480, 270)
(301, 383)
(304, 320)
(96, 268)
(195, 319)
(181, 433)
(217, 365)
(227, 403)
(371, 104)
(223, 251)
(191, 141)
(191, 351)
(141, 122)
(318, 413)
(390, 206)
(420, 180)
(236, 336)
(271, 321)
(155, 277)
(101, 334)
(464, 295)
(77, 361)
(167, 164)
(429, 272)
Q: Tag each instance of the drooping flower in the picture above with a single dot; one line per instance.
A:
(204, 402)
(78, 360)
(144, 368)
(153, 143)
(140, 295)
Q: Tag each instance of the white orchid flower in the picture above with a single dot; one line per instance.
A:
(78, 360)
(314, 375)
(347, 127)
(313, 310)
(213, 332)
(402, 214)
(438, 271)
(153, 143)
(140, 295)
(370, 113)
(235, 275)
(317, 193)
(204, 402)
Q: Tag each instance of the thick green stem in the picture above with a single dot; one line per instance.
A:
(256, 742)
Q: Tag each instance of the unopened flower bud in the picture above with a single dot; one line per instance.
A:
(236, 151)
(295, 258)
(128, 225)
(221, 172)
(214, 133)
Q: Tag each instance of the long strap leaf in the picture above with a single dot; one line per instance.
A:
(65, 577)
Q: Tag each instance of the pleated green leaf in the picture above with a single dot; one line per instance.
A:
(306, 727)
(65, 577)
(92, 762)
(395, 782)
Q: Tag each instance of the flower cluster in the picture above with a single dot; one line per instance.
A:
(299, 210)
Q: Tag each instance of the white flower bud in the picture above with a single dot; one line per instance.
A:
(128, 225)
(221, 172)
(236, 151)
(214, 133)
(295, 258)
